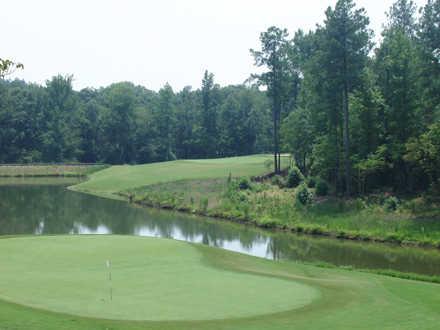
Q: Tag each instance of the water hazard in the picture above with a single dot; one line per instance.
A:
(42, 206)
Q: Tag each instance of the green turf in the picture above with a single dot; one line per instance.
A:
(180, 286)
(119, 178)
(152, 279)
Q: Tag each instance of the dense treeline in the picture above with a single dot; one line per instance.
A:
(359, 115)
(124, 123)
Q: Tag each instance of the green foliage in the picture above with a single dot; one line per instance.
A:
(298, 137)
(366, 126)
(8, 67)
(391, 203)
(294, 178)
(345, 41)
(321, 188)
(278, 180)
(125, 124)
(244, 184)
(303, 195)
(359, 120)
(311, 182)
(164, 119)
(424, 152)
(366, 104)
(119, 124)
(429, 39)
(281, 79)
(209, 109)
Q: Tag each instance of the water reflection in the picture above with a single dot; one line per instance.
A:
(51, 209)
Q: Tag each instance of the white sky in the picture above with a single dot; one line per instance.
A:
(151, 42)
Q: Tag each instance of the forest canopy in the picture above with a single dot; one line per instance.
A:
(358, 114)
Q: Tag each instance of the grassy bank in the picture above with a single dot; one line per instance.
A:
(209, 187)
(414, 222)
(55, 170)
(184, 286)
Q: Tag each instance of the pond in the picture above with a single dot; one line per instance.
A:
(46, 207)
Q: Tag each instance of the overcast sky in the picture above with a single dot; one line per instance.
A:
(151, 42)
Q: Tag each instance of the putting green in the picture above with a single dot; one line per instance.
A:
(152, 279)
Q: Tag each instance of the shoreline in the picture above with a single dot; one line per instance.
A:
(311, 233)
(306, 229)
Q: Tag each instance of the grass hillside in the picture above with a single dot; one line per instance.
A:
(201, 186)
(119, 178)
(163, 284)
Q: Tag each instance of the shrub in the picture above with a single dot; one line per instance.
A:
(241, 197)
(244, 184)
(321, 188)
(391, 203)
(294, 178)
(303, 195)
(311, 182)
(278, 181)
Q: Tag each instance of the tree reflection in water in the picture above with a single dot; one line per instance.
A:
(52, 209)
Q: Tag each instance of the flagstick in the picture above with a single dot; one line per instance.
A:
(109, 267)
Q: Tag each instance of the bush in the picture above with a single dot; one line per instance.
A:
(321, 188)
(303, 195)
(311, 182)
(294, 178)
(391, 203)
(278, 181)
(244, 184)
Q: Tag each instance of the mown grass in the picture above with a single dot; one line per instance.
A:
(151, 279)
(124, 177)
(163, 273)
(49, 170)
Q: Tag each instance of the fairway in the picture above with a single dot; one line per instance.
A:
(152, 279)
(119, 178)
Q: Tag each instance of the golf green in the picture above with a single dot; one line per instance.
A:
(151, 279)
(61, 282)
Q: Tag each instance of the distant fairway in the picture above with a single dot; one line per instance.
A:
(60, 282)
(119, 178)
